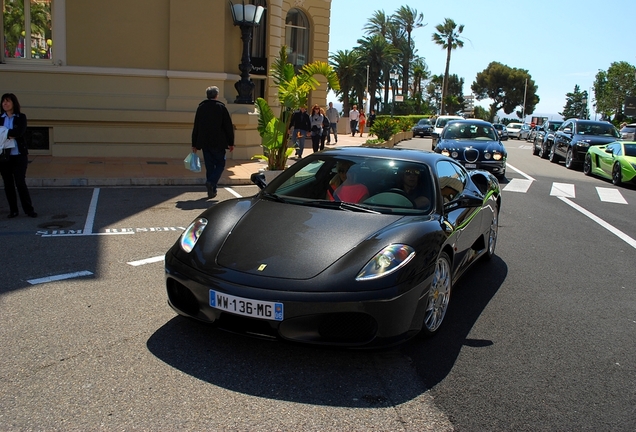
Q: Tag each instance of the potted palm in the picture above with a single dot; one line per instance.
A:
(293, 89)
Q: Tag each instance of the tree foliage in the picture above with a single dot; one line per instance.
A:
(506, 87)
(576, 105)
(611, 87)
(448, 37)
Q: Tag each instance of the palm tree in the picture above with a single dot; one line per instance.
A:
(408, 19)
(377, 24)
(346, 65)
(293, 90)
(376, 52)
(448, 36)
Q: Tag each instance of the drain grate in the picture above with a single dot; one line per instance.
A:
(157, 162)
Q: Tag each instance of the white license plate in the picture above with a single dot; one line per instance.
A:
(469, 166)
(246, 307)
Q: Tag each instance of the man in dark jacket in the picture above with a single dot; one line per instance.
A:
(299, 128)
(213, 132)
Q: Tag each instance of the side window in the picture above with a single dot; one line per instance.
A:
(27, 29)
(616, 149)
(452, 180)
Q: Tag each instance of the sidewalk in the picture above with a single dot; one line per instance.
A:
(49, 171)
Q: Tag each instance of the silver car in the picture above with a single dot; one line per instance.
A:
(629, 132)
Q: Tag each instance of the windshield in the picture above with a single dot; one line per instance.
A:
(441, 122)
(554, 126)
(470, 131)
(375, 184)
(597, 129)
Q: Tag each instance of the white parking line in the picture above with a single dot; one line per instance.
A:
(233, 192)
(520, 172)
(90, 217)
(59, 277)
(146, 261)
(618, 233)
(565, 190)
(610, 195)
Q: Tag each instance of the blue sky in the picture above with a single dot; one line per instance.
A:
(560, 42)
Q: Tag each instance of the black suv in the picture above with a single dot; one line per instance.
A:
(574, 138)
(544, 134)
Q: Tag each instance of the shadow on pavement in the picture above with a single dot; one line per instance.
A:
(331, 377)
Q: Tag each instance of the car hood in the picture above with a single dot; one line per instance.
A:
(595, 139)
(295, 241)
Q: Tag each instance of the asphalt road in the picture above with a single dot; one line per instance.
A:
(541, 338)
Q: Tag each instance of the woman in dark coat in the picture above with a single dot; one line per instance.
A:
(14, 160)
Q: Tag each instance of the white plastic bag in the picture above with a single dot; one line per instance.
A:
(192, 162)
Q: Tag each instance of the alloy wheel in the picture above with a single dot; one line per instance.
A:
(616, 174)
(569, 159)
(438, 296)
(492, 234)
(587, 165)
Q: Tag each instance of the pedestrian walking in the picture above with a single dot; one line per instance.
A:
(371, 121)
(326, 126)
(213, 133)
(316, 120)
(334, 116)
(362, 120)
(354, 115)
(299, 128)
(13, 156)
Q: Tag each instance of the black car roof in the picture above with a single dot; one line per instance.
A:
(413, 155)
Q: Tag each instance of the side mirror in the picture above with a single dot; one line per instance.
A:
(259, 180)
(463, 201)
(567, 130)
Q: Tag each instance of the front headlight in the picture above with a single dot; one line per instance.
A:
(445, 152)
(454, 154)
(191, 235)
(497, 156)
(487, 156)
(582, 143)
(387, 261)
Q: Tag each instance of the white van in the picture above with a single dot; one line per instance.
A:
(439, 126)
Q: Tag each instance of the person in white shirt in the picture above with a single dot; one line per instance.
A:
(354, 115)
(333, 115)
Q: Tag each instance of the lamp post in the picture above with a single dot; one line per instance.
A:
(584, 106)
(394, 76)
(246, 16)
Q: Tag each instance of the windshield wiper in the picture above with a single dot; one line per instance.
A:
(272, 197)
(341, 205)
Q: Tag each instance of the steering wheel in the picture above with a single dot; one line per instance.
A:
(401, 192)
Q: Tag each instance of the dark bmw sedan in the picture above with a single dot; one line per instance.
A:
(475, 144)
(422, 128)
(574, 137)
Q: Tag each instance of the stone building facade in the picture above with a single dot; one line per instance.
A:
(123, 78)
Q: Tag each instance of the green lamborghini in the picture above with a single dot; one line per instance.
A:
(615, 161)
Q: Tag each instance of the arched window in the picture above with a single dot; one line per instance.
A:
(297, 38)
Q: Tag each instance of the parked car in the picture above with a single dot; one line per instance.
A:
(475, 144)
(524, 133)
(574, 137)
(346, 273)
(514, 129)
(545, 134)
(440, 122)
(422, 128)
(629, 132)
(502, 131)
(533, 132)
(615, 161)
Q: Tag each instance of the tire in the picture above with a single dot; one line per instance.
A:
(438, 296)
(492, 235)
(587, 165)
(543, 151)
(569, 159)
(617, 176)
(552, 157)
(534, 149)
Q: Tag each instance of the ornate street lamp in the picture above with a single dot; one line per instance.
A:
(246, 16)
